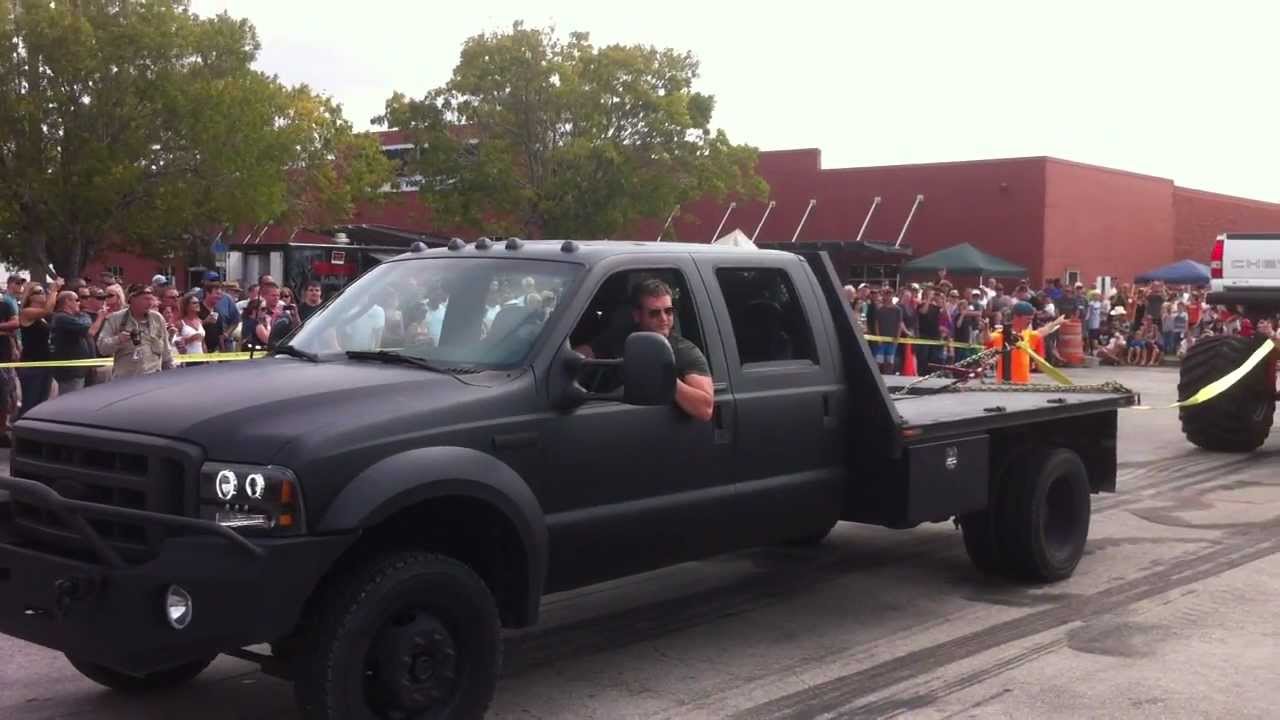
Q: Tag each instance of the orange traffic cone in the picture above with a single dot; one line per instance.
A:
(908, 362)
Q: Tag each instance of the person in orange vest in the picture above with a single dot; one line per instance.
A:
(1020, 365)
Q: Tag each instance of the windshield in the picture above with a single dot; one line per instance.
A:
(455, 312)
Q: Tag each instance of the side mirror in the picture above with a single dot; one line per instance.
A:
(648, 373)
(648, 370)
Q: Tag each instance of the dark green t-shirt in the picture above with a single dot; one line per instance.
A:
(689, 359)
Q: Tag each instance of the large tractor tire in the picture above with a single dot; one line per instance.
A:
(1239, 419)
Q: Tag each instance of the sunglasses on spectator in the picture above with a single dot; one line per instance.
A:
(656, 313)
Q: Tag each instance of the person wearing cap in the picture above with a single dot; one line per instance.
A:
(136, 337)
(13, 291)
(1020, 365)
(1094, 309)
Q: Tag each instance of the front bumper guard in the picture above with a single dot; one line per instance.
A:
(73, 514)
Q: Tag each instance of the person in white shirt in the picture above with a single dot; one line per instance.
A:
(190, 340)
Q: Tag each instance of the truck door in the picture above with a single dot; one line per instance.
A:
(633, 488)
(788, 394)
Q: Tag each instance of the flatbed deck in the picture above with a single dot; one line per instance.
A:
(936, 412)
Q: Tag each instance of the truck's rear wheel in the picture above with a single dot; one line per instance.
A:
(1044, 516)
(981, 542)
(125, 683)
(405, 635)
(1239, 419)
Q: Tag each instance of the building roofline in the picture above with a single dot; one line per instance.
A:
(1104, 168)
(1222, 196)
(944, 163)
(1047, 159)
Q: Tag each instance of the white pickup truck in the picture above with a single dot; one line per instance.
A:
(1244, 275)
(1244, 269)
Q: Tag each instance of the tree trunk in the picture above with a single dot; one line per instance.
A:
(37, 259)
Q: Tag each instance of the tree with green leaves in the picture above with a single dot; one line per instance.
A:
(549, 138)
(144, 126)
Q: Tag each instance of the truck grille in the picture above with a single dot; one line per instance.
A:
(137, 474)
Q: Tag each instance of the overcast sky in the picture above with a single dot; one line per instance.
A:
(1180, 90)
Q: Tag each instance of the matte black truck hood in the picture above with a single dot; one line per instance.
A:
(248, 411)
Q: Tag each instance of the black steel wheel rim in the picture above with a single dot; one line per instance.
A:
(412, 668)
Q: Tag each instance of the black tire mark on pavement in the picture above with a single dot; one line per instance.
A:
(897, 706)
(836, 695)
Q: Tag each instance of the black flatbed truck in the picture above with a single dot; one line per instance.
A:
(377, 519)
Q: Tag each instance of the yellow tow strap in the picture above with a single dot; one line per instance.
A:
(1219, 386)
(1044, 365)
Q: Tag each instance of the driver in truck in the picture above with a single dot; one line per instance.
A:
(654, 311)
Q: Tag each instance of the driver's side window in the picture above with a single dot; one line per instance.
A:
(603, 328)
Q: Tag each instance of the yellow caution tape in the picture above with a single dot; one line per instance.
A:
(920, 341)
(107, 362)
(219, 357)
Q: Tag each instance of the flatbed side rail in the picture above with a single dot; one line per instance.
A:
(74, 513)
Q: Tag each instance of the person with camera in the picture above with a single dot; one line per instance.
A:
(37, 308)
(136, 338)
(255, 331)
(280, 316)
(71, 338)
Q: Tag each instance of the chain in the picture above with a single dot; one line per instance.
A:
(989, 356)
(981, 359)
(1106, 387)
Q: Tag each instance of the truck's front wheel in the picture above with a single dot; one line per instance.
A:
(125, 683)
(405, 634)
(1239, 419)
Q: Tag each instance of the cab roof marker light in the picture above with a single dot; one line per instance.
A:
(514, 243)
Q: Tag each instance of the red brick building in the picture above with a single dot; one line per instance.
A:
(1055, 217)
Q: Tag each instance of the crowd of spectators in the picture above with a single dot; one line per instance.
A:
(1126, 325)
(141, 327)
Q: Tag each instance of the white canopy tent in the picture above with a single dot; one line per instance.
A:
(737, 238)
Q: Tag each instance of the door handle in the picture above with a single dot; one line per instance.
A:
(828, 418)
(719, 426)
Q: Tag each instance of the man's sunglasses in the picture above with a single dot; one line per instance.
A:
(655, 313)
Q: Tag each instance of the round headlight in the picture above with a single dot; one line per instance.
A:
(226, 484)
(178, 607)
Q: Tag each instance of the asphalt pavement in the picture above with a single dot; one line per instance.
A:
(1171, 614)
